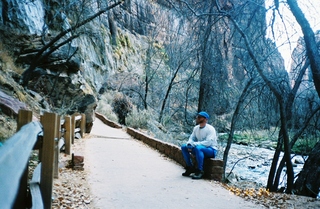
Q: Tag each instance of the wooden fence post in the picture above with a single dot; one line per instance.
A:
(40, 148)
(57, 149)
(24, 117)
(67, 134)
(49, 123)
(83, 124)
(73, 127)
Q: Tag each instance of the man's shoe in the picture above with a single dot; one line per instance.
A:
(189, 170)
(198, 174)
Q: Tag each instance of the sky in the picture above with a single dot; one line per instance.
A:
(311, 9)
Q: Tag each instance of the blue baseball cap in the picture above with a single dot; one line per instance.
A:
(203, 114)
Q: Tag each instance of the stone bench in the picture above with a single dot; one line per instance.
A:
(213, 168)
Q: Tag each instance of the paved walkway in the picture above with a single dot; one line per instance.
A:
(125, 173)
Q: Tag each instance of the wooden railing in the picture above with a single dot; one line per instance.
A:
(48, 135)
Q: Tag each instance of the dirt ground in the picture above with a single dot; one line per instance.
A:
(78, 189)
(71, 189)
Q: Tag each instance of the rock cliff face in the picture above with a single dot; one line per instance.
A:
(25, 16)
(112, 47)
(115, 42)
(298, 57)
(97, 58)
(80, 68)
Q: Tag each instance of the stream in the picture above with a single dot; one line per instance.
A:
(252, 164)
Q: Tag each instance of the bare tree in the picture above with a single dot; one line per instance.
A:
(279, 86)
(180, 50)
(308, 182)
(235, 119)
(285, 97)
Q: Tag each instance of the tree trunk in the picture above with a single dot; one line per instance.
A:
(206, 95)
(234, 120)
(113, 29)
(214, 74)
(285, 115)
(275, 160)
(308, 182)
(147, 79)
(164, 102)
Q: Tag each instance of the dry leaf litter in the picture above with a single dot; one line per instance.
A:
(71, 189)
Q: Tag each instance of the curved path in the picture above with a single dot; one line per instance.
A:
(125, 173)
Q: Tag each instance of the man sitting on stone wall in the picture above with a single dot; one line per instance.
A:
(202, 144)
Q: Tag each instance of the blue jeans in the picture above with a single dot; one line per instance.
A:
(200, 152)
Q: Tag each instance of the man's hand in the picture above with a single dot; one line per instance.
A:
(189, 147)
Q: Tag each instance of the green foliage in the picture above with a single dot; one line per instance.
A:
(304, 146)
(7, 61)
(139, 119)
(8, 127)
(166, 120)
(118, 52)
(123, 40)
(157, 45)
(264, 138)
(161, 133)
(104, 106)
(127, 41)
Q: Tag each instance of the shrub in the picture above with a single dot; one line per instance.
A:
(7, 61)
(104, 107)
(122, 107)
(139, 119)
(8, 127)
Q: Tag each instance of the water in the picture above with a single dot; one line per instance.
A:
(252, 164)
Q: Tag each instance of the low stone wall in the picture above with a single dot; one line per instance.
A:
(107, 121)
(213, 169)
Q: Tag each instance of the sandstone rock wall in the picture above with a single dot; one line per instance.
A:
(24, 16)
